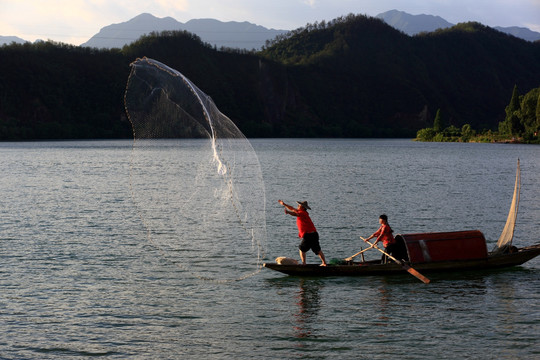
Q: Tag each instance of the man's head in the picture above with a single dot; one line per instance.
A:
(303, 204)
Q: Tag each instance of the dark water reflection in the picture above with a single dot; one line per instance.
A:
(308, 301)
(377, 317)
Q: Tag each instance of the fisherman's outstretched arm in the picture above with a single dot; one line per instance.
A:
(288, 207)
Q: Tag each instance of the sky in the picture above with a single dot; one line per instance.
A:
(76, 21)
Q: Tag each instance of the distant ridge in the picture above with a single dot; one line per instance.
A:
(118, 35)
(415, 24)
(245, 35)
(520, 32)
(232, 34)
(11, 39)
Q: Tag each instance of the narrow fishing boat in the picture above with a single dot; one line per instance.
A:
(430, 252)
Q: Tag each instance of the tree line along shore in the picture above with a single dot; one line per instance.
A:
(354, 76)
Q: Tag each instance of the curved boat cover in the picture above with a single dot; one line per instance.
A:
(445, 246)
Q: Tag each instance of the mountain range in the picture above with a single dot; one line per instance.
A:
(246, 35)
(232, 34)
(11, 39)
(353, 76)
(415, 24)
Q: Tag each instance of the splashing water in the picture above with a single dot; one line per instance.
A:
(212, 225)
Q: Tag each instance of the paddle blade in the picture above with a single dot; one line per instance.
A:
(416, 274)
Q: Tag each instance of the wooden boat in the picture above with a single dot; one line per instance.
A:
(436, 251)
(492, 261)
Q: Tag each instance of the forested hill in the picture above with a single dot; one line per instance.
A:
(353, 76)
(387, 77)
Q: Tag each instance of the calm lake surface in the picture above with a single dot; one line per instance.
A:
(78, 277)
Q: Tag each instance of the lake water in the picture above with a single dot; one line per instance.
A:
(78, 277)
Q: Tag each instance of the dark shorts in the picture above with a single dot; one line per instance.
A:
(310, 241)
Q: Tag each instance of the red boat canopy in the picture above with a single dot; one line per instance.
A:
(445, 246)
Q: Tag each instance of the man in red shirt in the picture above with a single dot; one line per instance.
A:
(384, 234)
(306, 230)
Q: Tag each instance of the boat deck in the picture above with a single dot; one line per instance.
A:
(376, 268)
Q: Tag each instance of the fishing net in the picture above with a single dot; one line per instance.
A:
(195, 178)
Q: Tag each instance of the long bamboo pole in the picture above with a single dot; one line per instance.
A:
(358, 253)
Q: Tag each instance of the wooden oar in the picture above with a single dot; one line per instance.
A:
(358, 253)
(409, 269)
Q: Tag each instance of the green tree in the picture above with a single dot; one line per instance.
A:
(439, 138)
(467, 133)
(438, 125)
(538, 115)
(528, 110)
(426, 134)
(504, 128)
(514, 102)
(512, 123)
(452, 133)
(538, 109)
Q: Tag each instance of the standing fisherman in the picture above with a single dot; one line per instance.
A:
(306, 230)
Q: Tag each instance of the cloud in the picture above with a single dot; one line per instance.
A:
(35, 19)
(173, 5)
(533, 27)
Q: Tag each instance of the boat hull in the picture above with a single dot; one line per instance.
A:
(374, 268)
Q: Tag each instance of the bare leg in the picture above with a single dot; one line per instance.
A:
(303, 257)
(321, 255)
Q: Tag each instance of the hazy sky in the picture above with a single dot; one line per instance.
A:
(75, 21)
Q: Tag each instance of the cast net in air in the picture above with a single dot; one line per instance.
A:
(195, 178)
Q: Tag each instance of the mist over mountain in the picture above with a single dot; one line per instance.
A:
(232, 34)
(415, 24)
